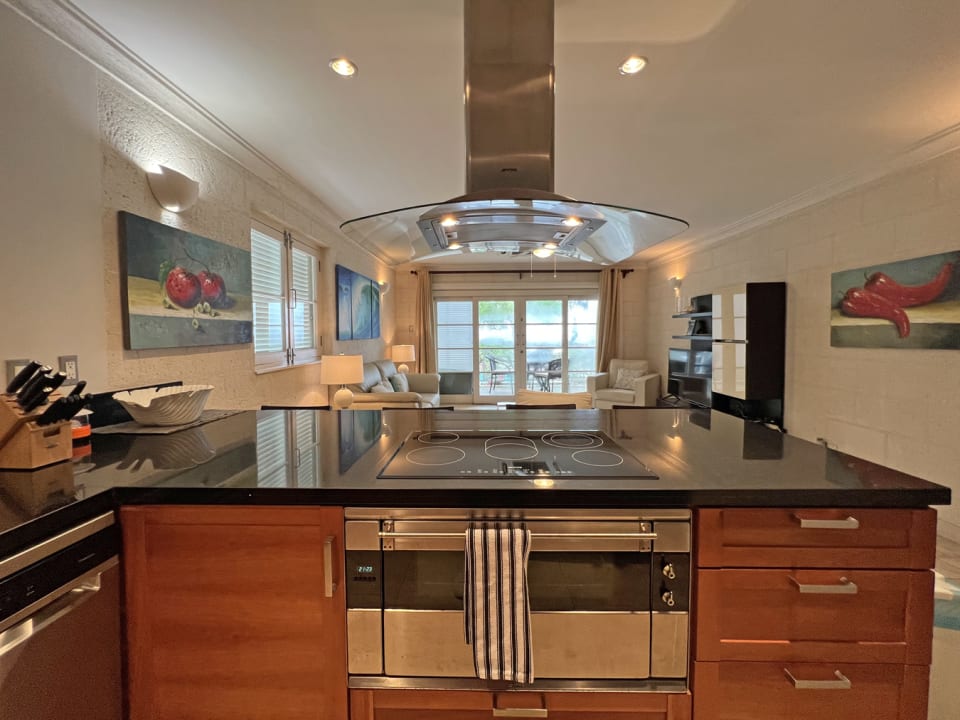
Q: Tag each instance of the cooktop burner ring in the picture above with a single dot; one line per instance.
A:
(438, 437)
(447, 456)
(607, 453)
(556, 439)
(510, 441)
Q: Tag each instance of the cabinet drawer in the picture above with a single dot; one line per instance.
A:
(483, 705)
(815, 615)
(816, 538)
(750, 691)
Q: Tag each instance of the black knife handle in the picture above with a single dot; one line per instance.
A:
(35, 384)
(39, 397)
(20, 379)
(78, 388)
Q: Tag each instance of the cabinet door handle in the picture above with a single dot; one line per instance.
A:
(520, 712)
(841, 683)
(845, 587)
(329, 586)
(847, 523)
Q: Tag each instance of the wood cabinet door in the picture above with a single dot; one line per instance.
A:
(230, 612)
(815, 615)
(483, 705)
(816, 538)
(806, 691)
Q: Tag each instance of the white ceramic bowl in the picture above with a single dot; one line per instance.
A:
(165, 406)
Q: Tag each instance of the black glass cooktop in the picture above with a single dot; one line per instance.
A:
(527, 454)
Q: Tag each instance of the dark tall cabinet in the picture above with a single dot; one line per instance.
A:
(749, 344)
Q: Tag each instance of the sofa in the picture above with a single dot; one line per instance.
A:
(642, 388)
(379, 388)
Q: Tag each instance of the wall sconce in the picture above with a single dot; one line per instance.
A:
(384, 287)
(174, 191)
(402, 354)
(675, 284)
(340, 370)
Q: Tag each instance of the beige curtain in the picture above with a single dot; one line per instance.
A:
(425, 327)
(608, 318)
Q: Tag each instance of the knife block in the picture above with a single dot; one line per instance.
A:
(32, 446)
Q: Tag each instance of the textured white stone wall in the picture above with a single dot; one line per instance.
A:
(900, 408)
(135, 134)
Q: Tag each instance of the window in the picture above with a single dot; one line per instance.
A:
(284, 274)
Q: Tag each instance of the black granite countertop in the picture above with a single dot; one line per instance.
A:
(699, 458)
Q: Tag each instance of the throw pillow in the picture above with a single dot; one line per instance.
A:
(381, 388)
(628, 379)
(399, 382)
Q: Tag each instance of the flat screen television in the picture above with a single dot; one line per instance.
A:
(689, 375)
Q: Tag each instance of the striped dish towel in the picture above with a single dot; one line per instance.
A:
(496, 607)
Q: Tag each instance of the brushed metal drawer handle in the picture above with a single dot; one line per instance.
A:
(846, 587)
(848, 523)
(329, 586)
(520, 712)
(841, 683)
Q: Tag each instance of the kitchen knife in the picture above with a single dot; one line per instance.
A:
(30, 386)
(63, 409)
(21, 378)
(38, 396)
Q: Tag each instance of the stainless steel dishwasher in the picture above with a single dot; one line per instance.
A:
(60, 627)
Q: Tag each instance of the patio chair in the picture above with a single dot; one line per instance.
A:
(498, 369)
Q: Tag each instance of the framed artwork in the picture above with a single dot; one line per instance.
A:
(358, 305)
(181, 290)
(907, 304)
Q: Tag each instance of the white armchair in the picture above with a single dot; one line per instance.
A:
(645, 390)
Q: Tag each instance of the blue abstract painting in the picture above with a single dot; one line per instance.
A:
(358, 306)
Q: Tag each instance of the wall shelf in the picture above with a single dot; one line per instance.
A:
(706, 314)
(692, 337)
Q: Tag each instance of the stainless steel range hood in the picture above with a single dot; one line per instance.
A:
(510, 207)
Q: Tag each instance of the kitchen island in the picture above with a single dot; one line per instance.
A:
(805, 562)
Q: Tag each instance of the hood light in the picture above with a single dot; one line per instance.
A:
(543, 252)
(454, 246)
(550, 245)
(343, 67)
(449, 222)
(632, 65)
(573, 222)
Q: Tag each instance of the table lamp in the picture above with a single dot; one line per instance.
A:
(340, 370)
(402, 354)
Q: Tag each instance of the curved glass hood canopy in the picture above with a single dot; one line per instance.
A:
(510, 207)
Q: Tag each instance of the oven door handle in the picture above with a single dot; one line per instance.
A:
(389, 535)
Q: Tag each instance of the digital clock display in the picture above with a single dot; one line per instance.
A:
(364, 569)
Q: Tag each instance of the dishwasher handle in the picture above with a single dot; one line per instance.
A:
(64, 602)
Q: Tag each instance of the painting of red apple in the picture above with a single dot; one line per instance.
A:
(179, 289)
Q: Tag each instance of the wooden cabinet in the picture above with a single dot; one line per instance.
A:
(804, 612)
(235, 612)
(483, 705)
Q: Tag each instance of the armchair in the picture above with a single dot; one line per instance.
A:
(645, 390)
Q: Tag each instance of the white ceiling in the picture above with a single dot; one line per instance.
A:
(745, 103)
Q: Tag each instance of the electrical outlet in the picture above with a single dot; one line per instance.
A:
(68, 365)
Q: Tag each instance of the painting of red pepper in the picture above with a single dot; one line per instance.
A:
(906, 304)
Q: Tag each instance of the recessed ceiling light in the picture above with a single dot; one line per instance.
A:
(449, 222)
(632, 65)
(342, 66)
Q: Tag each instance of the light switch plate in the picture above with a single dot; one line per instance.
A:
(68, 365)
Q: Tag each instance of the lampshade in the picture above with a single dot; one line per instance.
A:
(341, 369)
(174, 191)
(402, 353)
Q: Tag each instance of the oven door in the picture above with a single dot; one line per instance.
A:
(589, 590)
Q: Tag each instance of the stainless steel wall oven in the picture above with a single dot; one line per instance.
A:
(609, 596)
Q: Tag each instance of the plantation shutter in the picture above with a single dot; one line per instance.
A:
(303, 283)
(266, 261)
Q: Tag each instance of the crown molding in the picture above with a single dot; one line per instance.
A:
(924, 150)
(66, 23)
